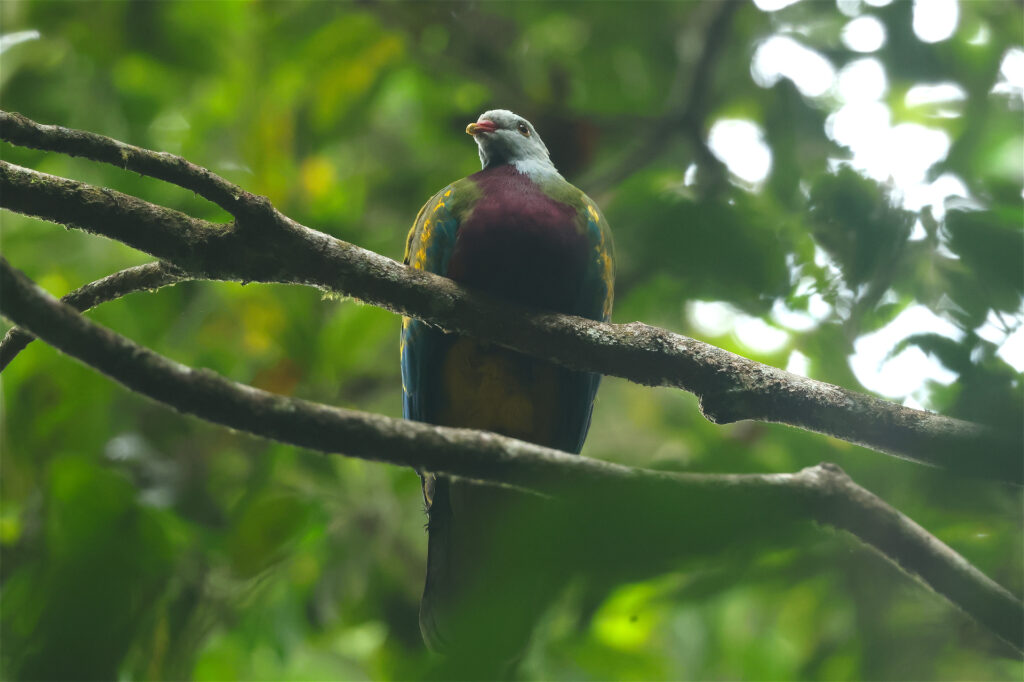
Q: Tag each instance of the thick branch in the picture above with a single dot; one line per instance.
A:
(139, 278)
(731, 387)
(822, 493)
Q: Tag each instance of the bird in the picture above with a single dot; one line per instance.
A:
(519, 231)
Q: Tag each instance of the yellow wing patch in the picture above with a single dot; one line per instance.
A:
(418, 243)
(603, 256)
(419, 261)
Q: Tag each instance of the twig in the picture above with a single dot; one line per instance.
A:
(680, 117)
(823, 493)
(139, 278)
(731, 387)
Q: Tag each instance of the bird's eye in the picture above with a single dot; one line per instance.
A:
(523, 128)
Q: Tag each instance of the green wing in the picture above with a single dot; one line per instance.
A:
(598, 291)
(429, 247)
(594, 302)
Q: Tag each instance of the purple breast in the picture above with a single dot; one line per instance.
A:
(520, 244)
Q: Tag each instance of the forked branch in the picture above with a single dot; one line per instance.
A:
(146, 277)
(823, 493)
(264, 245)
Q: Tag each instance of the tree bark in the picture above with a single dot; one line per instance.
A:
(752, 502)
(263, 245)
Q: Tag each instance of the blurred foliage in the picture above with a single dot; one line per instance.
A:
(141, 544)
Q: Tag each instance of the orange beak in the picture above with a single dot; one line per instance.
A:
(484, 126)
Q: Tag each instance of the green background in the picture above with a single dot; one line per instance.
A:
(141, 544)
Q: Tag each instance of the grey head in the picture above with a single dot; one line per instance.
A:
(504, 137)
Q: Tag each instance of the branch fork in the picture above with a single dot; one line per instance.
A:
(730, 387)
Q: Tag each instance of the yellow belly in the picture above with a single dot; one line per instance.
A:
(490, 388)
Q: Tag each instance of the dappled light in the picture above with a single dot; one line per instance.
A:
(798, 363)
(773, 5)
(935, 20)
(1011, 71)
(862, 80)
(717, 319)
(906, 372)
(829, 187)
(864, 34)
(9, 40)
(740, 145)
(783, 57)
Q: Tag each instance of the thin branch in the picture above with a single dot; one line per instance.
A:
(847, 506)
(685, 116)
(146, 277)
(823, 493)
(25, 132)
(731, 388)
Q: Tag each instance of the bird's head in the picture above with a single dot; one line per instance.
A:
(505, 137)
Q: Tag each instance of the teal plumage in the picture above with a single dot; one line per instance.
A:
(517, 230)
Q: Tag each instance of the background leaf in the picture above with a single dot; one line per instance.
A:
(140, 544)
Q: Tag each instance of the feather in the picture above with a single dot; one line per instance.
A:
(516, 229)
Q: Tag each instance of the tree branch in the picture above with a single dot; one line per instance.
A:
(146, 277)
(731, 388)
(25, 132)
(823, 493)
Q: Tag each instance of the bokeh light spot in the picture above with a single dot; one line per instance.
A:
(906, 372)
(782, 57)
(936, 93)
(862, 79)
(864, 34)
(935, 20)
(9, 40)
(740, 145)
(715, 318)
(798, 363)
(1011, 72)
(773, 5)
